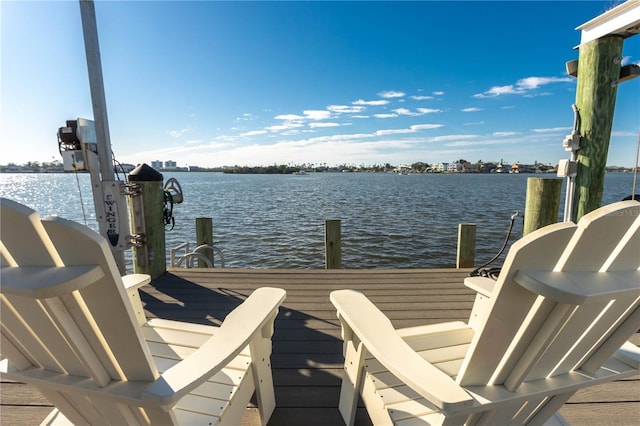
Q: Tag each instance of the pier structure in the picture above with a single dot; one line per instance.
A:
(307, 360)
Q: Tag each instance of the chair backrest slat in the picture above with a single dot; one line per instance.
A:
(47, 347)
(598, 235)
(521, 338)
(87, 330)
(614, 341)
(511, 305)
(107, 315)
(24, 237)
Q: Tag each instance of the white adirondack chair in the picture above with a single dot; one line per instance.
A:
(557, 320)
(69, 328)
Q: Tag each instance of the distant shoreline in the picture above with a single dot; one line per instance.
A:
(257, 171)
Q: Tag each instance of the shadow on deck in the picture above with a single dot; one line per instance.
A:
(307, 348)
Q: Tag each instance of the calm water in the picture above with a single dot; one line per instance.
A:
(277, 221)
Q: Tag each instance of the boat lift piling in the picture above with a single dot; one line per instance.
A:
(599, 71)
(147, 219)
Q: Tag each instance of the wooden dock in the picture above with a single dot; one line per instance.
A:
(307, 349)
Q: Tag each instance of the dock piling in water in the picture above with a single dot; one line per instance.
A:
(204, 236)
(332, 244)
(542, 203)
(466, 253)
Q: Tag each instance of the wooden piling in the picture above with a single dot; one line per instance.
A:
(542, 203)
(204, 235)
(598, 74)
(466, 254)
(148, 222)
(332, 244)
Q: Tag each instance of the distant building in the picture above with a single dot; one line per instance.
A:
(169, 164)
(440, 167)
(157, 164)
(454, 167)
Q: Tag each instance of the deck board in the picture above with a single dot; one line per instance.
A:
(307, 349)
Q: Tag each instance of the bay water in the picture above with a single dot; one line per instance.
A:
(277, 221)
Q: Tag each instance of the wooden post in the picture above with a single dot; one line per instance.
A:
(598, 74)
(542, 203)
(466, 255)
(147, 222)
(332, 244)
(204, 235)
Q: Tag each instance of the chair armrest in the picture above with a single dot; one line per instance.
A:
(252, 319)
(135, 281)
(629, 354)
(381, 340)
(481, 285)
(132, 284)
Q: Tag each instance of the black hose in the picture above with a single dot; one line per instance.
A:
(481, 270)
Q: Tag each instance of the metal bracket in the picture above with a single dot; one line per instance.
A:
(137, 240)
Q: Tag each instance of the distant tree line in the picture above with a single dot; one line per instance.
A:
(263, 170)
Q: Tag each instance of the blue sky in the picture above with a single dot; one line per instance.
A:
(212, 83)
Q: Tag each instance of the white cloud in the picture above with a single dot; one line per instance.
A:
(313, 125)
(284, 126)
(421, 97)
(393, 132)
(177, 133)
(504, 134)
(289, 117)
(245, 117)
(439, 93)
(412, 129)
(522, 86)
(535, 82)
(553, 130)
(317, 114)
(253, 133)
(428, 110)
(498, 91)
(391, 94)
(417, 127)
(471, 109)
(345, 109)
(386, 115)
(404, 111)
(370, 103)
(452, 138)
(417, 113)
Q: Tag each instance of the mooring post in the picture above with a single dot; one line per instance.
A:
(466, 255)
(598, 75)
(332, 244)
(542, 203)
(147, 221)
(204, 235)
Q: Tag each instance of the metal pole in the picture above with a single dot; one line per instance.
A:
(110, 201)
(96, 84)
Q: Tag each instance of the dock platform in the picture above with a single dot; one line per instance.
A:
(307, 349)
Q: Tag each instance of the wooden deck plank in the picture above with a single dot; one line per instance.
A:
(307, 349)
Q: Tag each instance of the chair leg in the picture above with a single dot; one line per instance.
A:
(352, 380)
(261, 364)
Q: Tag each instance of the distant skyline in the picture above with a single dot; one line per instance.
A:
(212, 83)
